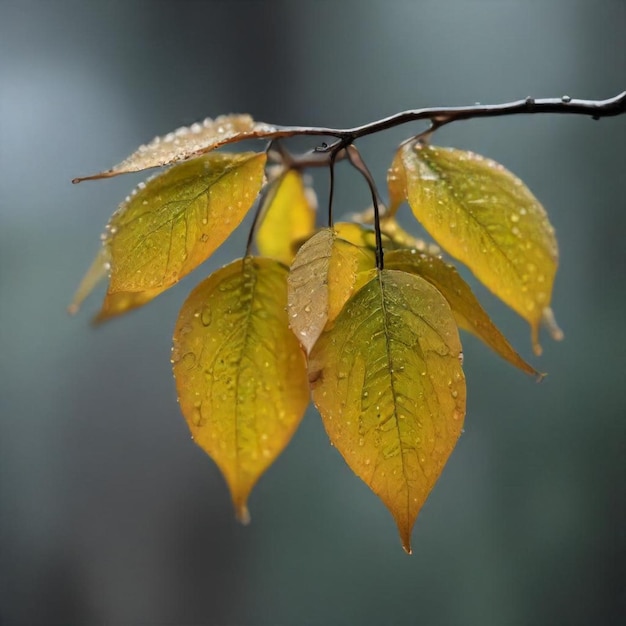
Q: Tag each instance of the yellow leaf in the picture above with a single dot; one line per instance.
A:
(190, 142)
(97, 272)
(122, 302)
(388, 382)
(467, 311)
(485, 217)
(360, 236)
(288, 217)
(402, 239)
(393, 235)
(176, 220)
(240, 372)
(325, 272)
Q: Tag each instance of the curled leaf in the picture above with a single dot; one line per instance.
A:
(467, 311)
(176, 220)
(288, 217)
(189, 142)
(240, 373)
(485, 217)
(323, 275)
(387, 380)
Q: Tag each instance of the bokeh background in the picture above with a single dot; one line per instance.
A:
(109, 513)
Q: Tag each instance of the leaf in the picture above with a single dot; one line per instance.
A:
(467, 311)
(190, 142)
(96, 273)
(360, 236)
(393, 235)
(485, 217)
(388, 382)
(402, 239)
(322, 277)
(177, 219)
(240, 373)
(122, 302)
(289, 217)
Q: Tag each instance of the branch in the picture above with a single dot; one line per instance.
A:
(440, 116)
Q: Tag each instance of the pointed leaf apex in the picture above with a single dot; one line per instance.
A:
(242, 513)
(405, 537)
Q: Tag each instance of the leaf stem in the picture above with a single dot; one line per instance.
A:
(358, 163)
(331, 188)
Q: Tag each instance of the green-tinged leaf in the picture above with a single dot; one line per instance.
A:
(176, 220)
(325, 272)
(288, 217)
(240, 372)
(467, 311)
(190, 142)
(388, 382)
(485, 217)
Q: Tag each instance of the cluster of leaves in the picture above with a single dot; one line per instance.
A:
(362, 316)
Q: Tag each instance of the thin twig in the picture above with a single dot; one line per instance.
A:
(357, 162)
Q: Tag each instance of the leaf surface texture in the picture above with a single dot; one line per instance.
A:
(487, 218)
(240, 372)
(388, 382)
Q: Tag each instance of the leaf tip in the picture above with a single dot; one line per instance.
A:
(242, 513)
(549, 321)
(405, 529)
(73, 308)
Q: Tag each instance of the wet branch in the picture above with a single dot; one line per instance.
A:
(440, 116)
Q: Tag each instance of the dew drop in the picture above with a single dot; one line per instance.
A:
(189, 360)
(206, 315)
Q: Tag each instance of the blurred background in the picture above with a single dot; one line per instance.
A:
(109, 514)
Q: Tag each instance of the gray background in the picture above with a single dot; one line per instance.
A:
(110, 515)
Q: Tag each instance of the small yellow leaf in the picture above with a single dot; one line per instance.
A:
(360, 236)
(122, 302)
(190, 142)
(176, 220)
(402, 239)
(96, 273)
(323, 275)
(288, 217)
(468, 312)
(114, 303)
(240, 372)
(485, 217)
(388, 382)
